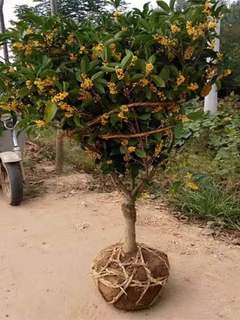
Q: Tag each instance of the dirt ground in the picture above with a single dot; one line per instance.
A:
(48, 244)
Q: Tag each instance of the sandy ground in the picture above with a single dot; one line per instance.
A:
(47, 246)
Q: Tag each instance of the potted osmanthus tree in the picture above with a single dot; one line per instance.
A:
(119, 87)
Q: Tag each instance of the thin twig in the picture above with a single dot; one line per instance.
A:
(137, 135)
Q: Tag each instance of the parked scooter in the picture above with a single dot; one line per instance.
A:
(11, 173)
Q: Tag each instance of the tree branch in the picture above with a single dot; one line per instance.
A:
(136, 135)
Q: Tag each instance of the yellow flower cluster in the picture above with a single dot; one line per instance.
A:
(70, 39)
(165, 41)
(144, 82)
(98, 50)
(112, 88)
(207, 8)
(117, 55)
(211, 72)
(40, 123)
(28, 47)
(120, 73)
(69, 110)
(158, 149)
(123, 112)
(212, 23)
(85, 95)
(188, 53)
(227, 72)
(83, 50)
(11, 106)
(104, 119)
(131, 149)
(193, 86)
(149, 68)
(43, 84)
(180, 79)
(87, 84)
(161, 96)
(175, 28)
(196, 31)
(60, 96)
(117, 14)
(29, 84)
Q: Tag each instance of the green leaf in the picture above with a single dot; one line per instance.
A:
(84, 64)
(97, 75)
(152, 59)
(165, 73)
(158, 81)
(100, 88)
(140, 153)
(145, 116)
(126, 60)
(163, 5)
(172, 4)
(50, 111)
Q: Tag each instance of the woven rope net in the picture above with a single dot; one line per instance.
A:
(122, 275)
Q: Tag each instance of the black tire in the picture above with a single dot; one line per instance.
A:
(12, 183)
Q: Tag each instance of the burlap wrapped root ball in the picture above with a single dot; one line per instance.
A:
(131, 281)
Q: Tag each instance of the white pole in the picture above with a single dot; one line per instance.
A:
(211, 100)
(2, 30)
(53, 4)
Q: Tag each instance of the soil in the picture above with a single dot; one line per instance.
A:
(48, 244)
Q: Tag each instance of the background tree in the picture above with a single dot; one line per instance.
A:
(75, 9)
(230, 46)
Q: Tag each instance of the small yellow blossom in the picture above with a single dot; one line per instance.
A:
(60, 96)
(211, 72)
(87, 84)
(98, 50)
(40, 123)
(149, 68)
(29, 31)
(117, 14)
(131, 149)
(144, 82)
(193, 86)
(85, 95)
(196, 31)
(104, 119)
(43, 84)
(212, 24)
(83, 50)
(124, 108)
(175, 28)
(70, 39)
(180, 79)
(220, 56)
(192, 185)
(112, 88)
(124, 142)
(120, 73)
(165, 41)
(188, 53)
(29, 84)
(227, 72)
(161, 96)
(158, 149)
(18, 46)
(207, 8)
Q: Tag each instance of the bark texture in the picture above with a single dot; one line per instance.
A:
(2, 30)
(129, 213)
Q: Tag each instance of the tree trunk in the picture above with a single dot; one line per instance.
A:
(129, 212)
(59, 151)
(2, 30)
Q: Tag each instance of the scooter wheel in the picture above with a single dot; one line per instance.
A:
(12, 183)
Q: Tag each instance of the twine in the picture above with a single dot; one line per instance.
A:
(107, 271)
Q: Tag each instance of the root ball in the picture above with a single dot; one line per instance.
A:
(131, 281)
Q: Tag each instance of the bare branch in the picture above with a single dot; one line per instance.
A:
(137, 135)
